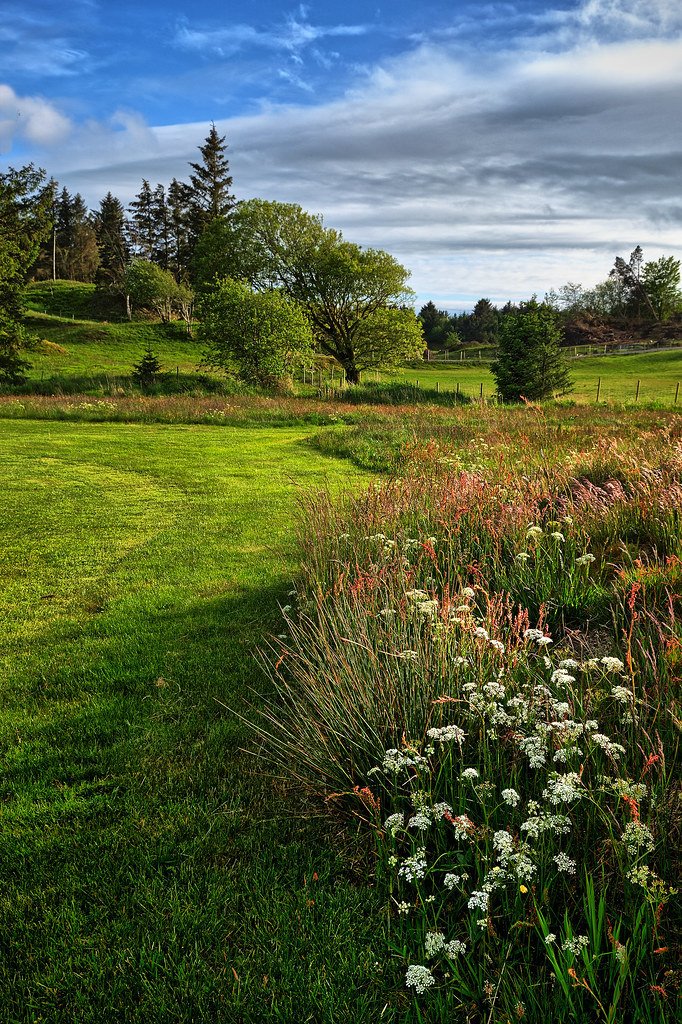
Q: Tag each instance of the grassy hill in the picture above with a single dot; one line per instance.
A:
(86, 343)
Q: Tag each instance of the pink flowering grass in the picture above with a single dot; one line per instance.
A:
(471, 649)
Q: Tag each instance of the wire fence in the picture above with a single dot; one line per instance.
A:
(331, 383)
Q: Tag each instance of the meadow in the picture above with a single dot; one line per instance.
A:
(334, 712)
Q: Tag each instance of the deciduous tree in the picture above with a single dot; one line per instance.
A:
(661, 281)
(349, 294)
(260, 336)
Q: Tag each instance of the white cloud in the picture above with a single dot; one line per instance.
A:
(31, 118)
(293, 35)
(639, 17)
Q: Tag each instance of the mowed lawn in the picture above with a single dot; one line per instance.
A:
(150, 871)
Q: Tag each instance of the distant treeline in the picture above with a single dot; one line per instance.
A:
(634, 291)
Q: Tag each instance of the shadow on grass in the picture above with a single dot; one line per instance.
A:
(151, 874)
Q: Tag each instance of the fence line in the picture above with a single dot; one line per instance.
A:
(331, 383)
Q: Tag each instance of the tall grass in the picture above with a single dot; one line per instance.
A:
(484, 665)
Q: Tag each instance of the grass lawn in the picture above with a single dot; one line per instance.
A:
(659, 373)
(149, 874)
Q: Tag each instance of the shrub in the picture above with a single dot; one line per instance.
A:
(530, 363)
(260, 336)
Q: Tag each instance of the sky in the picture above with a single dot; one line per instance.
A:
(495, 149)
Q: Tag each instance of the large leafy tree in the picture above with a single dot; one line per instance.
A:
(26, 218)
(356, 299)
(661, 281)
(259, 336)
(630, 276)
(530, 363)
(149, 286)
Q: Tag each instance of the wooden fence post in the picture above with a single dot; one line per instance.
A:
(637, 391)
(598, 388)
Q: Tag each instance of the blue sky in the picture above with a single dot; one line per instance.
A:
(495, 148)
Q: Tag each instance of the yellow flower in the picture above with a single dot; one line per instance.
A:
(523, 889)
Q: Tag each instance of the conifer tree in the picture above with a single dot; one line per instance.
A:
(208, 193)
(76, 252)
(530, 363)
(111, 228)
(177, 212)
(26, 218)
(143, 223)
(162, 228)
(146, 371)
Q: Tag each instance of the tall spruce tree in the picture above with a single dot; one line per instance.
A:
(179, 244)
(76, 252)
(162, 228)
(143, 228)
(26, 218)
(111, 227)
(209, 196)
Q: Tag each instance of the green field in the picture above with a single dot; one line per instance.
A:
(659, 373)
(150, 873)
(95, 355)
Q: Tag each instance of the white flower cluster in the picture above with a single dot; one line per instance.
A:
(614, 750)
(560, 677)
(393, 823)
(564, 863)
(563, 789)
(420, 821)
(575, 945)
(613, 665)
(429, 609)
(535, 749)
(419, 978)
(625, 787)
(511, 797)
(538, 824)
(451, 880)
(446, 734)
(413, 868)
(478, 901)
(637, 839)
(395, 761)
